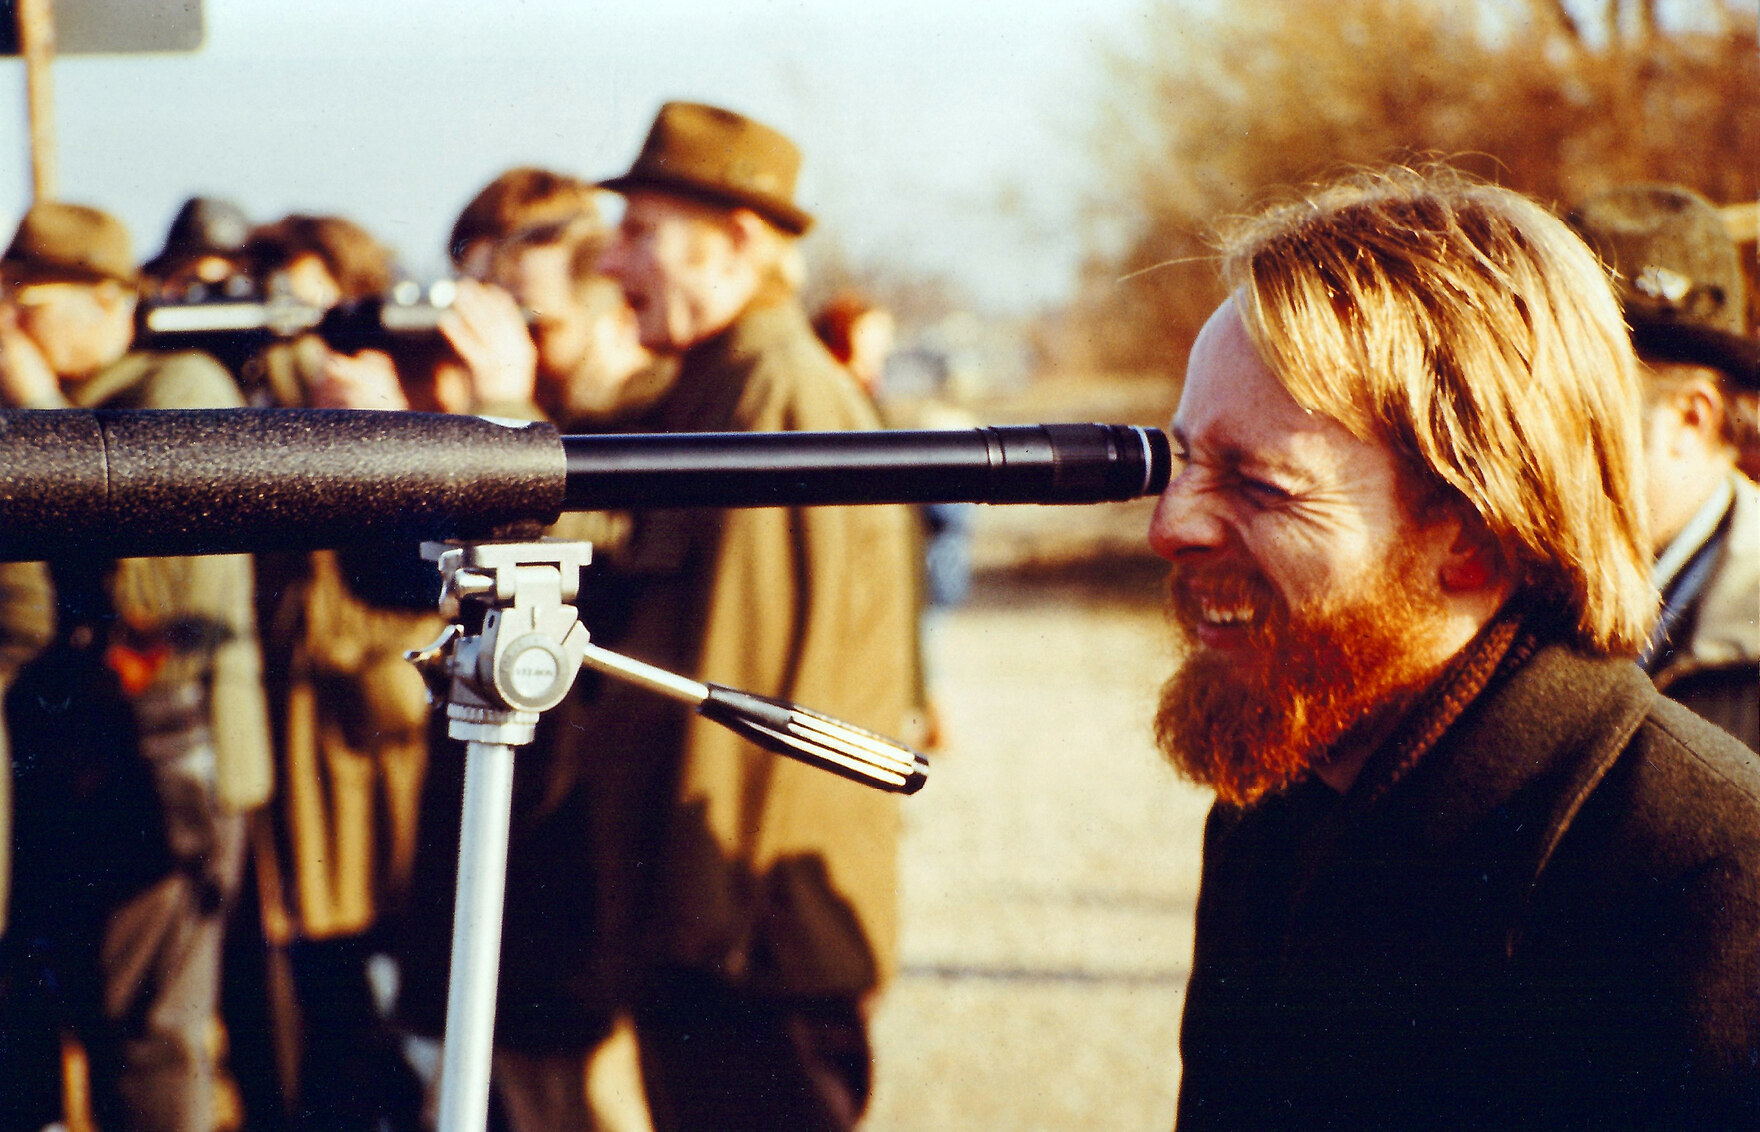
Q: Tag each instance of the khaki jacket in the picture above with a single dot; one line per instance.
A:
(646, 840)
(149, 592)
(351, 728)
(711, 854)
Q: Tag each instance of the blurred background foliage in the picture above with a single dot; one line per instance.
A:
(1211, 108)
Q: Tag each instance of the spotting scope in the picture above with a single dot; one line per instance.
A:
(121, 483)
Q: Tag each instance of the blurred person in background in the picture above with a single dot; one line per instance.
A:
(861, 335)
(523, 206)
(322, 262)
(318, 261)
(312, 1041)
(1680, 279)
(204, 254)
(331, 864)
(204, 259)
(537, 236)
(554, 339)
(139, 735)
(1466, 866)
(745, 903)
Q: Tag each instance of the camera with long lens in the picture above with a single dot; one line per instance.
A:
(403, 324)
(404, 320)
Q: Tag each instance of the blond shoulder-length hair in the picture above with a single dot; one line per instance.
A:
(1467, 328)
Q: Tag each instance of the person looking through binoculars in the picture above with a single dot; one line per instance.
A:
(536, 236)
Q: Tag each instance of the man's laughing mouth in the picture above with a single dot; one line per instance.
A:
(1222, 611)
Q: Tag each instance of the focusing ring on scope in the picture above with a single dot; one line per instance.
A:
(1076, 463)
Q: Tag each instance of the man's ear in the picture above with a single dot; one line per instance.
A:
(746, 227)
(1701, 407)
(113, 297)
(1474, 560)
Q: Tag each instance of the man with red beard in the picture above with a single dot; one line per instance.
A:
(1466, 868)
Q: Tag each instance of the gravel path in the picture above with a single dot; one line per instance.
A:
(1049, 871)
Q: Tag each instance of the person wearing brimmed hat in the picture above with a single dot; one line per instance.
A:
(139, 735)
(203, 252)
(744, 904)
(1680, 280)
(709, 226)
(70, 291)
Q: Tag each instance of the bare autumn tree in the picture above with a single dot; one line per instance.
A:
(1210, 111)
(915, 298)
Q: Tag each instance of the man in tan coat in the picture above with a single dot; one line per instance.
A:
(138, 737)
(745, 904)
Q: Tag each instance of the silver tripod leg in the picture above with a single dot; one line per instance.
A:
(476, 937)
(496, 682)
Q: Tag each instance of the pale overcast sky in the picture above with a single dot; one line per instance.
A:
(917, 117)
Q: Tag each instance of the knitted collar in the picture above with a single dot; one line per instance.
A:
(1503, 645)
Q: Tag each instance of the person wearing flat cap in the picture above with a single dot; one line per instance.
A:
(139, 734)
(744, 910)
(1680, 278)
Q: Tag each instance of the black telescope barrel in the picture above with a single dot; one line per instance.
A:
(138, 483)
(1056, 463)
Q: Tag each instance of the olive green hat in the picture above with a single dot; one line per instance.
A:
(69, 242)
(1678, 274)
(710, 154)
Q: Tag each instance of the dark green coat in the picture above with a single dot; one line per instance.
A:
(1552, 921)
